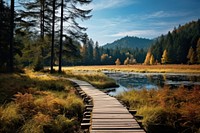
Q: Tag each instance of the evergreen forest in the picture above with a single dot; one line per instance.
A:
(36, 35)
(181, 46)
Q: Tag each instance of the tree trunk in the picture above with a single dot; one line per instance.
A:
(42, 20)
(61, 36)
(11, 35)
(52, 45)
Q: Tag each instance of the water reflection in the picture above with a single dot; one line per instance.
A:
(129, 80)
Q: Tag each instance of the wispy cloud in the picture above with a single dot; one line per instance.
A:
(105, 4)
(141, 33)
(142, 24)
(164, 14)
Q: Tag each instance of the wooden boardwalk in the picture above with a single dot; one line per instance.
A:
(108, 114)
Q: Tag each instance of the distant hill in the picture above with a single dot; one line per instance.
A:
(129, 42)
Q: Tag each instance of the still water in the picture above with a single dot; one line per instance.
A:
(131, 80)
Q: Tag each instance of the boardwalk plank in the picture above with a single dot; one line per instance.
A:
(108, 114)
(115, 119)
(118, 131)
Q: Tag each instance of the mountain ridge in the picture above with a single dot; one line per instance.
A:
(129, 42)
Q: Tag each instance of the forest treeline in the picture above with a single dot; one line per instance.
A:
(181, 46)
(38, 38)
(38, 33)
(46, 33)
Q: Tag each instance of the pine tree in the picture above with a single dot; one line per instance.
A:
(73, 30)
(53, 33)
(36, 14)
(96, 53)
(11, 35)
(177, 43)
(4, 36)
(190, 52)
(72, 13)
(198, 51)
(84, 51)
(192, 57)
(61, 37)
(169, 45)
(90, 51)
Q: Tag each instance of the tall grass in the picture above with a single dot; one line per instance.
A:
(10, 119)
(142, 68)
(96, 78)
(36, 124)
(178, 109)
(36, 103)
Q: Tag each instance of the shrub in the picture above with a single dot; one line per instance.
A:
(10, 118)
(75, 107)
(173, 108)
(47, 105)
(51, 85)
(39, 105)
(61, 124)
(26, 104)
(36, 124)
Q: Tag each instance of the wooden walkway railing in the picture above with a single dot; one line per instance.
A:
(108, 115)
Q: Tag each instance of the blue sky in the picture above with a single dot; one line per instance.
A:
(114, 19)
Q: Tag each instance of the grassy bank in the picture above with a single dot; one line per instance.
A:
(166, 110)
(37, 103)
(142, 68)
(96, 78)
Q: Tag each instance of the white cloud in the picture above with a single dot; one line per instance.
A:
(105, 4)
(142, 33)
(164, 14)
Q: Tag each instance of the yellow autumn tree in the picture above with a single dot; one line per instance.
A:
(117, 62)
(126, 62)
(152, 60)
(164, 58)
(147, 59)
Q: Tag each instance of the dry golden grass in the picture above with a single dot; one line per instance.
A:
(176, 108)
(10, 113)
(38, 102)
(96, 78)
(140, 68)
